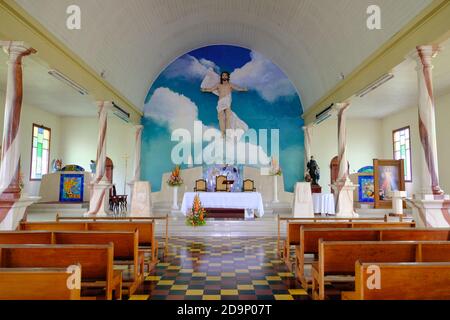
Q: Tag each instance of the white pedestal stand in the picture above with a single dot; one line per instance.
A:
(175, 199)
(16, 212)
(275, 189)
(397, 201)
(141, 199)
(430, 211)
(344, 199)
(99, 193)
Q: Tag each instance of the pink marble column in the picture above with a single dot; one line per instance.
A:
(100, 187)
(307, 131)
(137, 153)
(10, 156)
(342, 141)
(427, 122)
(343, 187)
(431, 207)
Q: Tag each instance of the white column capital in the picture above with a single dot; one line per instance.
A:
(105, 104)
(341, 106)
(16, 48)
(423, 55)
(139, 127)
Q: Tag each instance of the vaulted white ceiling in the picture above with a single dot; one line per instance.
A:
(313, 41)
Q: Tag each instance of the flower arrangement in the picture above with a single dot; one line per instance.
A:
(197, 215)
(175, 178)
(275, 169)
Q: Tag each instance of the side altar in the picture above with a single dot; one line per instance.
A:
(66, 186)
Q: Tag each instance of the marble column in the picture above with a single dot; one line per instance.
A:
(10, 194)
(431, 207)
(307, 131)
(343, 187)
(99, 203)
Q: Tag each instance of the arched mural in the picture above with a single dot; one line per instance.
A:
(264, 102)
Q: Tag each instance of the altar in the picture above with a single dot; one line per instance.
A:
(229, 200)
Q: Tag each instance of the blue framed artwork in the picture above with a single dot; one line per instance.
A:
(366, 189)
(71, 188)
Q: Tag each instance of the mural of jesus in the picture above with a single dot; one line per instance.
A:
(227, 119)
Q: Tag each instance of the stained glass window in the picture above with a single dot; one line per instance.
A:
(40, 152)
(402, 150)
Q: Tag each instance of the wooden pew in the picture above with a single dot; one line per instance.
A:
(288, 220)
(402, 281)
(96, 262)
(293, 230)
(146, 229)
(126, 250)
(121, 219)
(36, 284)
(338, 258)
(309, 240)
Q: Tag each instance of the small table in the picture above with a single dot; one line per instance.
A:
(324, 203)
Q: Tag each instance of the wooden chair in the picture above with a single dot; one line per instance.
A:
(403, 281)
(337, 258)
(221, 186)
(117, 202)
(200, 185)
(248, 186)
(309, 241)
(37, 284)
(96, 262)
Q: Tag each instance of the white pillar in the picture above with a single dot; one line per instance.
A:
(343, 187)
(431, 207)
(11, 204)
(99, 203)
(137, 153)
(307, 130)
(275, 189)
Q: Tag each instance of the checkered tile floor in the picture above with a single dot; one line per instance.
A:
(221, 269)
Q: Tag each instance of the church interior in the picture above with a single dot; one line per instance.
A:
(224, 150)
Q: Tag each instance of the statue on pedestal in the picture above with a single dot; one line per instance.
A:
(313, 175)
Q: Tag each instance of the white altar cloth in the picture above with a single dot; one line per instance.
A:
(324, 203)
(230, 200)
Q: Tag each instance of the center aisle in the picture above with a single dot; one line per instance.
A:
(221, 268)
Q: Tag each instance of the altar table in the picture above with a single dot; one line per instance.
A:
(229, 200)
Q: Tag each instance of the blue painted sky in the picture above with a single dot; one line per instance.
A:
(175, 100)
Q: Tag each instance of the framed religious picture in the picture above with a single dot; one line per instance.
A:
(389, 175)
(71, 188)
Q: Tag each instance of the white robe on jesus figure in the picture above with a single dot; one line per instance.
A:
(211, 80)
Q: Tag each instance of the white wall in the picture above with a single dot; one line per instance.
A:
(364, 143)
(79, 145)
(29, 116)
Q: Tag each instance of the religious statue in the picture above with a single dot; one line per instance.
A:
(313, 171)
(223, 87)
(56, 165)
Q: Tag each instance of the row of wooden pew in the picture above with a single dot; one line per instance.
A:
(34, 259)
(386, 260)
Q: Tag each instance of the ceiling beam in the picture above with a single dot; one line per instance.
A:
(431, 26)
(17, 24)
